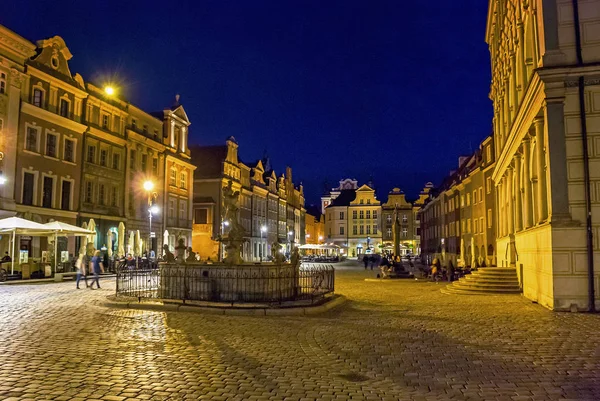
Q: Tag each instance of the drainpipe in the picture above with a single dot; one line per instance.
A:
(586, 163)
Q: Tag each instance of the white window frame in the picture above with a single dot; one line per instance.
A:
(41, 194)
(59, 109)
(36, 175)
(41, 89)
(488, 185)
(72, 181)
(183, 180)
(56, 144)
(182, 210)
(38, 140)
(173, 177)
(64, 147)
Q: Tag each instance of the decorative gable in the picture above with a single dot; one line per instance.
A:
(55, 54)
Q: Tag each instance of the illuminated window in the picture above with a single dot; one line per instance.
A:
(183, 180)
(173, 178)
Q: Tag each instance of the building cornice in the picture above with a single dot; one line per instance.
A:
(106, 136)
(80, 93)
(46, 212)
(18, 45)
(53, 118)
(134, 136)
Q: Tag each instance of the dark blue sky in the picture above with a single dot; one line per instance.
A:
(396, 90)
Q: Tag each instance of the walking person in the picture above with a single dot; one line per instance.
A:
(366, 261)
(97, 268)
(81, 270)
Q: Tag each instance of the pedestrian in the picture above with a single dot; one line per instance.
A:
(81, 270)
(366, 261)
(97, 268)
(372, 261)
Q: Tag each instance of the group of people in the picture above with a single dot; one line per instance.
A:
(89, 264)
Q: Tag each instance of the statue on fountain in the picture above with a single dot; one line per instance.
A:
(168, 255)
(295, 258)
(235, 237)
(278, 256)
(180, 250)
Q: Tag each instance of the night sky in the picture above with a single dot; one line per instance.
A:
(393, 90)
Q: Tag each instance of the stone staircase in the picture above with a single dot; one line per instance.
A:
(486, 281)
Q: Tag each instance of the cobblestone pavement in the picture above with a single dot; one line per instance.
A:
(392, 340)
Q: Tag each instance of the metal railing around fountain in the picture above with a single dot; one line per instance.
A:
(270, 283)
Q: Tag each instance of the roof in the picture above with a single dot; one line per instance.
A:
(208, 160)
(345, 197)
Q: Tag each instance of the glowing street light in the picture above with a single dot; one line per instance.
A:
(152, 209)
(224, 224)
(148, 186)
(109, 90)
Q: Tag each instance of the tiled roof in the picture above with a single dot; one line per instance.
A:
(208, 160)
(346, 196)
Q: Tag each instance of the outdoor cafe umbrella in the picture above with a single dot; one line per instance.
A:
(65, 229)
(84, 240)
(17, 225)
(138, 243)
(121, 240)
(109, 242)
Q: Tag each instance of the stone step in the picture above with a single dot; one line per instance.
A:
(495, 273)
(487, 280)
(493, 287)
(490, 280)
(459, 291)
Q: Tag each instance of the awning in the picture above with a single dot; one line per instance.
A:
(68, 229)
(21, 226)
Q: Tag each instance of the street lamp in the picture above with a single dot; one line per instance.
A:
(224, 224)
(368, 242)
(263, 229)
(320, 238)
(290, 237)
(152, 209)
(109, 90)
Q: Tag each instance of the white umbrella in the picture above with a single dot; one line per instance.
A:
(92, 227)
(121, 239)
(64, 229)
(138, 243)
(84, 241)
(130, 248)
(109, 242)
(17, 225)
(462, 252)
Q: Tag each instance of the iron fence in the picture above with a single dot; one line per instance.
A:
(231, 284)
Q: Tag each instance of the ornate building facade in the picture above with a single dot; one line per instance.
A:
(545, 91)
(458, 218)
(76, 154)
(271, 207)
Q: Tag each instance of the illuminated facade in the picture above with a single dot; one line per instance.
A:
(271, 208)
(80, 155)
(458, 218)
(545, 91)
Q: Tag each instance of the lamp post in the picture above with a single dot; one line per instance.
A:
(148, 187)
(368, 243)
(2, 178)
(263, 229)
(224, 224)
(290, 236)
